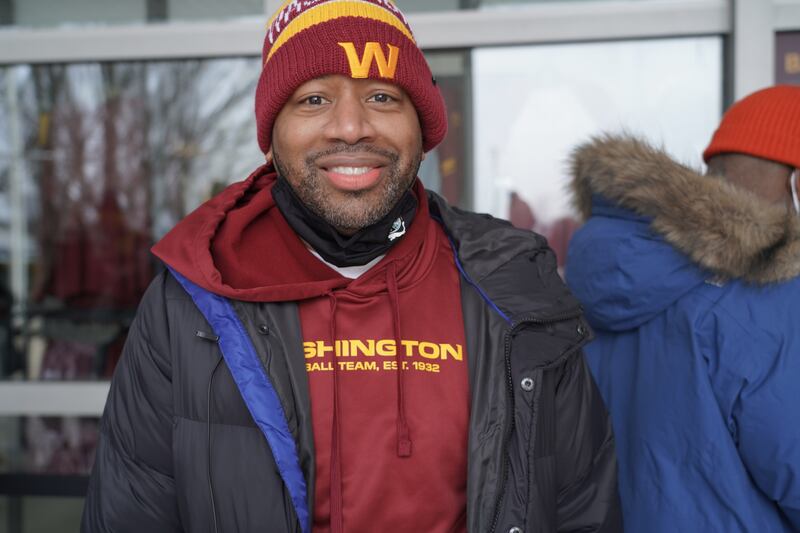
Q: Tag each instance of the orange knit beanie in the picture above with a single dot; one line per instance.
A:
(765, 124)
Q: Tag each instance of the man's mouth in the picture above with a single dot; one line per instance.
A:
(351, 171)
(353, 178)
(357, 168)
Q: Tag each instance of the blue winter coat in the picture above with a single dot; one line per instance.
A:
(692, 287)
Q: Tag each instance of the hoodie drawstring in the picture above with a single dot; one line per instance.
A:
(404, 444)
(403, 432)
(337, 521)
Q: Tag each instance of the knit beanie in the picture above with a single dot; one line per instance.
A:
(307, 39)
(765, 124)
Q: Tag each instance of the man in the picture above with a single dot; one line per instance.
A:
(691, 282)
(333, 348)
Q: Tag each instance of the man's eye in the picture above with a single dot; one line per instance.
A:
(381, 98)
(314, 100)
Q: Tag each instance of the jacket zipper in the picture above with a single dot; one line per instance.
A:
(528, 319)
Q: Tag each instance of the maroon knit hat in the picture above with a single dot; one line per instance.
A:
(307, 39)
(765, 124)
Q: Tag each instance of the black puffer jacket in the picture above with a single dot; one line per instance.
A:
(541, 451)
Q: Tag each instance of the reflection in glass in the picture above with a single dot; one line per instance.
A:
(96, 162)
(48, 445)
(533, 104)
(109, 156)
(44, 462)
(445, 169)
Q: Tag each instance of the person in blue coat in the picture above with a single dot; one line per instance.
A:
(692, 283)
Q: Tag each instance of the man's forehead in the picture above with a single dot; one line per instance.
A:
(340, 78)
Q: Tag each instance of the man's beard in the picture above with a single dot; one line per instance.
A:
(358, 210)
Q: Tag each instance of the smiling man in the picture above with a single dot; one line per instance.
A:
(349, 171)
(333, 348)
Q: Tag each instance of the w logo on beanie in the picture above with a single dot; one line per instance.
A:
(359, 67)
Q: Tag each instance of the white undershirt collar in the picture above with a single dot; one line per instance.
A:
(351, 272)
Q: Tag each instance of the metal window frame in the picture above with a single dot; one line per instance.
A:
(741, 21)
(527, 24)
(56, 398)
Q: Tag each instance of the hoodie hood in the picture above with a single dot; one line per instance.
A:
(659, 228)
(239, 245)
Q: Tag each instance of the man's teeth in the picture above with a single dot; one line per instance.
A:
(351, 171)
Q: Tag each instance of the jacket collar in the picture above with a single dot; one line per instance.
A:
(513, 269)
(724, 229)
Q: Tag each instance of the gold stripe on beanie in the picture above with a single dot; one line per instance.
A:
(333, 10)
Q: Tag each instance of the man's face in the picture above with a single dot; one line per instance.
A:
(767, 179)
(349, 148)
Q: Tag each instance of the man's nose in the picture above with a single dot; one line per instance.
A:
(350, 121)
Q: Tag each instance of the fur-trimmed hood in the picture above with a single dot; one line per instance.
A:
(722, 228)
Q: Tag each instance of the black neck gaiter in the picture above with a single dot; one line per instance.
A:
(335, 248)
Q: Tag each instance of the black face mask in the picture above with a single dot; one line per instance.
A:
(335, 248)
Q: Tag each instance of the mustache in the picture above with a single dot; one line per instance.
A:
(344, 148)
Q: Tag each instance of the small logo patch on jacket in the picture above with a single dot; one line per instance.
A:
(398, 229)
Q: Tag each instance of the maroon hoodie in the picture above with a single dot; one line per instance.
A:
(385, 356)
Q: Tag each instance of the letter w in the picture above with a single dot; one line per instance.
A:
(359, 67)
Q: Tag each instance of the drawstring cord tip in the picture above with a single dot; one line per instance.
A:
(404, 448)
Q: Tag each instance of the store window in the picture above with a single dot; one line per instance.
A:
(100, 160)
(96, 162)
(447, 169)
(533, 104)
(43, 461)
